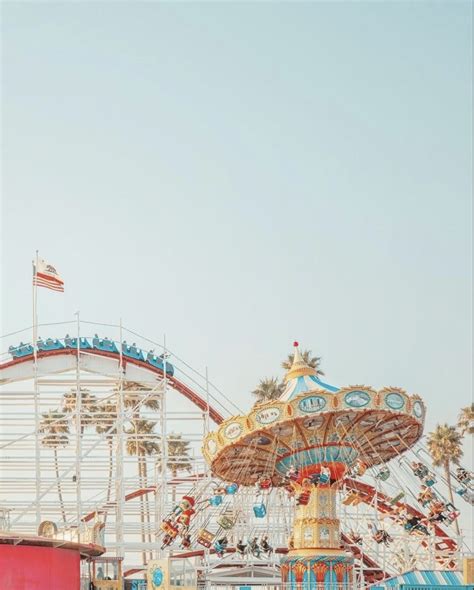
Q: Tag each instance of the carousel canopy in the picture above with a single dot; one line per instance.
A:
(302, 378)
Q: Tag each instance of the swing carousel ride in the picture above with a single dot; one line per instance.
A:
(324, 487)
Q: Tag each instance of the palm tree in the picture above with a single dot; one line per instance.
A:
(178, 458)
(445, 447)
(106, 416)
(141, 441)
(267, 390)
(54, 427)
(133, 397)
(88, 406)
(178, 454)
(466, 420)
(311, 361)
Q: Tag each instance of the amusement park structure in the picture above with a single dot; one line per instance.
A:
(308, 441)
(100, 445)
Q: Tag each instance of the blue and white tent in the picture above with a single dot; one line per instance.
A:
(424, 579)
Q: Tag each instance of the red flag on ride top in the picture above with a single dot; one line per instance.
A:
(45, 275)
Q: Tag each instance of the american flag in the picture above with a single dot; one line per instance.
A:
(45, 275)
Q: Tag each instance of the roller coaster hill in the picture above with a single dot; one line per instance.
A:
(101, 439)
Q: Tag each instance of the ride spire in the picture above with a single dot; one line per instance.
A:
(299, 366)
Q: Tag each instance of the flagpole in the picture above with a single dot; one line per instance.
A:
(36, 396)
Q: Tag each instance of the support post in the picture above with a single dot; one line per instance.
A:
(36, 398)
(119, 484)
(164, 442)
(78, 418)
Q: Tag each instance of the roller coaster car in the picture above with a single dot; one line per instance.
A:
(157, 361)
(205, 538)
(104, 344)
(225, 522)
(20, 350)
(49, 344)
(72, 343)
(259, 510)
(132, 351)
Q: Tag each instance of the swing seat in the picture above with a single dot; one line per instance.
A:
(383, 475)
(429, 481)
(352, 499)
(205, 538)
(469, 497)
(215, 500)
(232, 488)
(260, 510)
(169, 528)
(225, 522)
(265, 484)
(303, 499)
(453, 515)
(360, 467)
(324, 478)
(397, 498)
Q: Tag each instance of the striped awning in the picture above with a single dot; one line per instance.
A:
(424, 578)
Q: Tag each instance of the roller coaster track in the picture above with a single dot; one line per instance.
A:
(172, 381)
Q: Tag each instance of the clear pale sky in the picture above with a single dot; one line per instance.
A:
(240, 175)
